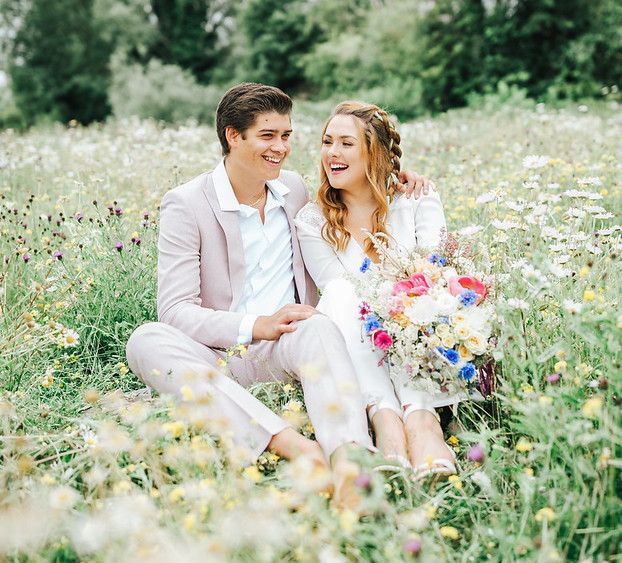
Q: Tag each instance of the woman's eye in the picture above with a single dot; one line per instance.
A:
(326, 142)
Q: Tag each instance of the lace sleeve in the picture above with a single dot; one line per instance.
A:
(320, 258)
(310, 216)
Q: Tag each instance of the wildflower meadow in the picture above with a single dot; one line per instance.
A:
(93, 467)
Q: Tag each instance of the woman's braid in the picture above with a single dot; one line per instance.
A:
(393, 144)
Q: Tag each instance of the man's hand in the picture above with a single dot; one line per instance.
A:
(412, 183)
(271, 328)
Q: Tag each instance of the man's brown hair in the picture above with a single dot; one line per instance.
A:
(241, 105)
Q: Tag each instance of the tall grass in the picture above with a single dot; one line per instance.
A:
(92, 468)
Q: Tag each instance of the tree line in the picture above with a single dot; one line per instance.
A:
(171, 59)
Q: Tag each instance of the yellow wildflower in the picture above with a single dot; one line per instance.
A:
(221, 362)
(453, 440)
(584, 271)
(455, 480)
(430, 511)
(545, 514)
(527, 388)
(176, 494)
(589, 295)
(560, 366)
(189, 522)
(252, 473)
(528, 471)
(592, 407)
(347, 520)
(450, 532)
(544, 400)
(523, 445)
(187, 393)
(175, 428)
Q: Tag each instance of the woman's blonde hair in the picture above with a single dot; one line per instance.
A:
(382, 148)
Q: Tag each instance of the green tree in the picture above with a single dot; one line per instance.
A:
(192, 34)
(59, 64)
(277, 34)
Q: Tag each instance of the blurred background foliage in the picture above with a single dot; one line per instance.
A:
(172, 59)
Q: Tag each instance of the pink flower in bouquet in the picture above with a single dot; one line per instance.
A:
(382, 340)
(364, 309)
(416, 285)
(458, 284)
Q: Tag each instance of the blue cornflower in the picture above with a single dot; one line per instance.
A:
(365, 265)
(437, 259)
(467, 371)
(371, 323)
(450, 354)
(468, 297)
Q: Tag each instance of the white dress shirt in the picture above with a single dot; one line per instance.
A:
(269, 281)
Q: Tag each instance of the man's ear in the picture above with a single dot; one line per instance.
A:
(233, 136)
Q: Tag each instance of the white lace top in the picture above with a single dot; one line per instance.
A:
(411, 222)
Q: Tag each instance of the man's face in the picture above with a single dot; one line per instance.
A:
(262, 148)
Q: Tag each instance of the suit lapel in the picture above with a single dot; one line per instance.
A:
(230, 224)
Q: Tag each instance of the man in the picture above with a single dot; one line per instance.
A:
(230, 272)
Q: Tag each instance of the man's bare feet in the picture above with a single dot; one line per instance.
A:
(289, 444)
(424, 437)
(346, 493)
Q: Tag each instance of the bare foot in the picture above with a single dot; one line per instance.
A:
(346, 494)
(289, 444)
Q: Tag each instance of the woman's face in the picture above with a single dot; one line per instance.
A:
(344, 156)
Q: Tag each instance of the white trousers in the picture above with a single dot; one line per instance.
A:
(340, 303)
(315, 354)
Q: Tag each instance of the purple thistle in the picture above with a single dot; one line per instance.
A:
(118, 211)
(26, 258)
(553, 378)
(363, 481)
(58, 255)
(119, 246)
(412, 546)
(476, 453)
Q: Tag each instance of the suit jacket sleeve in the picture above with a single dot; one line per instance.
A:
(179, 302)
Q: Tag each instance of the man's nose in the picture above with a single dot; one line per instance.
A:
(280, 146)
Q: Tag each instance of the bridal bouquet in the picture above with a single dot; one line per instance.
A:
(431, 315)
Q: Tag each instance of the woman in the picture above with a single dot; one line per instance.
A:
(357, 194)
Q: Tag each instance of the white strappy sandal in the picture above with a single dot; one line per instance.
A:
(401, 464)
(439, 468)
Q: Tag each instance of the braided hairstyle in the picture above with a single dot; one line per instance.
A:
(382, 144)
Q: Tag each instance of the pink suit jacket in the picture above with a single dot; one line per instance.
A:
(201, 267)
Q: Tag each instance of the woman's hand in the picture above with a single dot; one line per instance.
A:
(411, 183)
